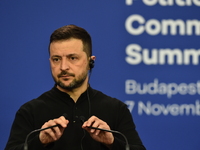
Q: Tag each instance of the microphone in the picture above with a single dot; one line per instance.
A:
(38, 130)
(82, 118)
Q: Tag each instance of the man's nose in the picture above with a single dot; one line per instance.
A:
(64, 65)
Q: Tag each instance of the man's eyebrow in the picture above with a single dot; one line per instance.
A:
(70, 55)
(55, 56)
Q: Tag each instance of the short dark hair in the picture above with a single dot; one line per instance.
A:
(73, 31)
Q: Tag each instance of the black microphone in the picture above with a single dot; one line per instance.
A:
(82, 118)
(38, 130)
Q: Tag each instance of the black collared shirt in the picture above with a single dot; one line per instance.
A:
(54, 103)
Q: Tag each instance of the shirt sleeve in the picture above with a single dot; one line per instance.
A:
(21, 127)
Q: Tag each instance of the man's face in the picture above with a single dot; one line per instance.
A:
(69, 63)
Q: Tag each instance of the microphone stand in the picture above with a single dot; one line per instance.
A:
(34, 131)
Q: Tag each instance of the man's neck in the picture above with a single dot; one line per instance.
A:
(75, 93)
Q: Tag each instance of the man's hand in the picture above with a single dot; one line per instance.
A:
(53, 134)
(101, 136)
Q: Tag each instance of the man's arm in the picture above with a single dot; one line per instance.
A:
(124, 125)
(23, 125)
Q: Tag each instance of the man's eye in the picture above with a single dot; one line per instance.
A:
(56, 59)
(73, 58)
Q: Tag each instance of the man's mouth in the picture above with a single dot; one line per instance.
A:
(65, 75)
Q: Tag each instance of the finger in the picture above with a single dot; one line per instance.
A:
(65, 123)
(102, 125)
(95, 124)
(55, 131)
(53, 134)
(45, 138)
(48, 133)
(61, 121)
(91, 120)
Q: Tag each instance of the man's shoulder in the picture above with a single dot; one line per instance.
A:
(41, 99)
(100, 96)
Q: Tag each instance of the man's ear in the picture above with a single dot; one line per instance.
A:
(91, 62)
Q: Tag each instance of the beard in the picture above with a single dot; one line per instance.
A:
(76, 82)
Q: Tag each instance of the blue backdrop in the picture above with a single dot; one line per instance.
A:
(147, 56)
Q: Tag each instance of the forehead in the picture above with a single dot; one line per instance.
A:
(66, 46)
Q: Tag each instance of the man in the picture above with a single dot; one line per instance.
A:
(71, 59)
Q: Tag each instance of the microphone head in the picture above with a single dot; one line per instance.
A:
(65, 115)
(82, 118)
